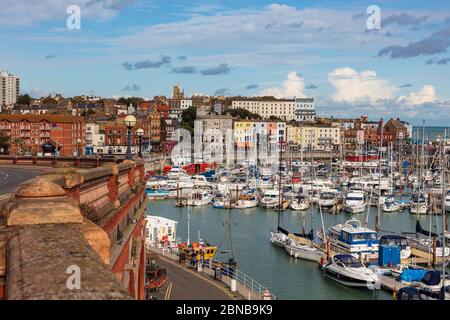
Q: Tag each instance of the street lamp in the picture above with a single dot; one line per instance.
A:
(78, 147)
(140, 134)
(130, 122)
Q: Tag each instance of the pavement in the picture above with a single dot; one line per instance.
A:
(186, 284)
(11, 177)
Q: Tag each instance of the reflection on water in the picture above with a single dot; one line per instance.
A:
(286, 277)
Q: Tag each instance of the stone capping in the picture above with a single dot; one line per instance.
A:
(126, 165)
(38, 262)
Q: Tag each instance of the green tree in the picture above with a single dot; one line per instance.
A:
(275, 118)
(4, 141)
(188, 117)
(132, 100)
(242, 113)
(24, 99)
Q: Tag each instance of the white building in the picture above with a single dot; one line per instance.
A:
(161, 231)
(94, 138)
(299, 109)
(9, 88)
(185, 104)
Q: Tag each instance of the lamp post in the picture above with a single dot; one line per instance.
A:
(78, 147)
(140, 134)
(130, 122)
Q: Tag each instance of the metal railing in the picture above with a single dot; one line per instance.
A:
(251, 284)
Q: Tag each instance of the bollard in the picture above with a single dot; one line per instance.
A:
(233, 285)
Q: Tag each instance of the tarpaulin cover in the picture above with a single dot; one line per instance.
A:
(409, 275)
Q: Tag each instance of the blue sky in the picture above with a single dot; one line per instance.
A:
(284, 48)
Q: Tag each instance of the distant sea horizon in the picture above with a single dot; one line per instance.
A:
(430, 132)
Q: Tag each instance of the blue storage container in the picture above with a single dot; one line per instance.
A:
(388, 254)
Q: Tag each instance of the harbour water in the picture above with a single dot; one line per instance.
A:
(286, 277)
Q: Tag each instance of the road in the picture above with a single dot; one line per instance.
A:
(184, 284)
(10, 178)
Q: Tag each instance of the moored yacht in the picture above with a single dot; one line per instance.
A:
(246, 201)
(390, 204)
(418, 203)
(328, 198)
(270, 198)
(199, 198)
(352, 238)
(347, 270)
(299, 203)
(354, 201)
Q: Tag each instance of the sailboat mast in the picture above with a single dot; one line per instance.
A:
(444, 214)
(189, 225)
(280, 193)
(380, 155)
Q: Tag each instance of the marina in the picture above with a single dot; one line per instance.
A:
(348, 206)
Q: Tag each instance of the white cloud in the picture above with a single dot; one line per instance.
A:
(352, 86)
(294, 86)
(30, 12)
(426, 95)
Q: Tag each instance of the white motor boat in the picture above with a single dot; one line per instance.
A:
(355, 202)
(390, 204)
(245, 202)
(200, 198)
(418, 203)
(328, 198)
(299, 203)
(270, 198)
(352, 238)
(347, 270)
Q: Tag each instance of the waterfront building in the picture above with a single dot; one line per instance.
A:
(318, 137)
(298, 109)
(247, 133)
(35, 134)
(9, 89)
(160, 232)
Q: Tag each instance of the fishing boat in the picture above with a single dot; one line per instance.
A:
(418, 203)
(347, 270)
(390, 204)
(355, 202)
(352, 238)
(299, 203)
(199, 198)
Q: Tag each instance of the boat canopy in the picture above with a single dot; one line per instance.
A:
(348, 260)
(433, 277)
